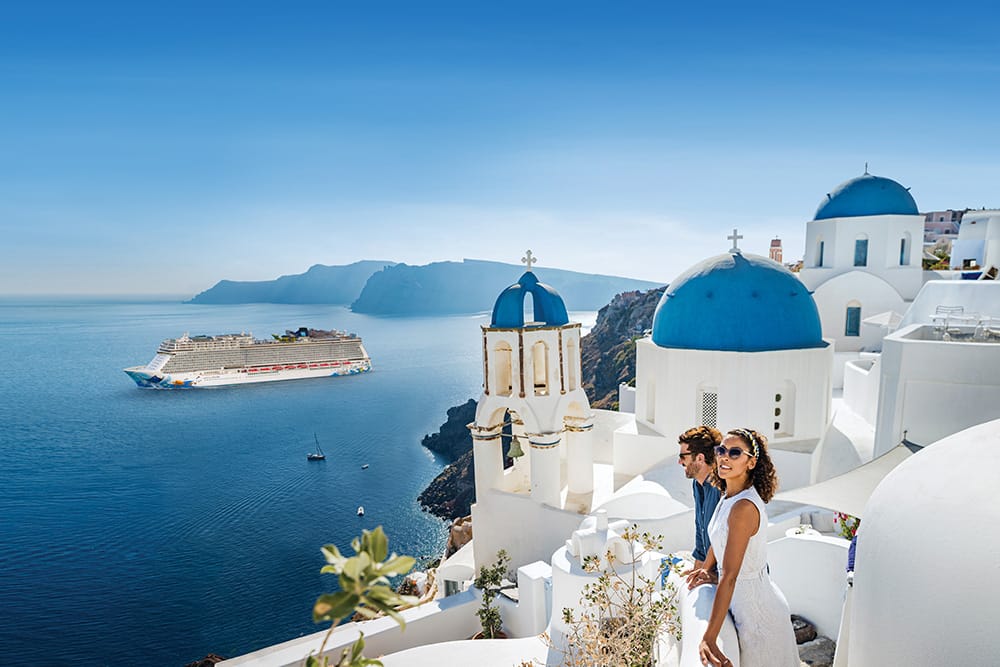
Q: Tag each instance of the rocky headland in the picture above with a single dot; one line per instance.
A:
(469, 286)
(320, 284)
(608, 356)
(380, 287)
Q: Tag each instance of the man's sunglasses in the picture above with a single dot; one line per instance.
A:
(732, 452)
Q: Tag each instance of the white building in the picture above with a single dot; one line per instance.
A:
(862, 257)
(736, 341)
(938, 373)
(978, 242)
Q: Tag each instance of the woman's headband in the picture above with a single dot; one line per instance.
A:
(749, 437)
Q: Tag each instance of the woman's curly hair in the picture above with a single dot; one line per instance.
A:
(763, 476)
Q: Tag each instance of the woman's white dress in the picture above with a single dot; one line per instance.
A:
(760, 611)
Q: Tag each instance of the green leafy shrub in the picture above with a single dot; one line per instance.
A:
(365, 589)
(490, 582)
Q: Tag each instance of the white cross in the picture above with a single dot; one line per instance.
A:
(528, 259)
(734, 238)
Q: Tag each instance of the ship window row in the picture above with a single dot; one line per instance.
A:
(255, 357)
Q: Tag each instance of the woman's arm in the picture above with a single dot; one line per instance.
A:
(744, 521)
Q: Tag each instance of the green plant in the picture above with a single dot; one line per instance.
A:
(364, 589)
(490, 582)
(848, 525)
(622, 614)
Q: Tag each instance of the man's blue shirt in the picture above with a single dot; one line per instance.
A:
(706, 497)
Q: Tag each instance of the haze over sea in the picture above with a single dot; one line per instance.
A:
(154, 527)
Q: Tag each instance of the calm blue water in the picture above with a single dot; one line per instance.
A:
(153, 527)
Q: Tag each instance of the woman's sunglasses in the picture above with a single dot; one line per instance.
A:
(732, 452)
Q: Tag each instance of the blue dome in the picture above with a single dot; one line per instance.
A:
(867, 195)
(508, 312)
(737, 303)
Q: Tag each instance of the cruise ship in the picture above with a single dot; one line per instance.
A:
(227, 359)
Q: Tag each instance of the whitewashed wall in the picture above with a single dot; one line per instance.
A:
(932, 389)
(861, 382)
(670, 380)
(871, 293)
(448, 619)
(811, 571)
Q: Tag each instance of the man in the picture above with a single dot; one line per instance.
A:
(697, 456)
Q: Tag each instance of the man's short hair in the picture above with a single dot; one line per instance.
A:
(702, 440)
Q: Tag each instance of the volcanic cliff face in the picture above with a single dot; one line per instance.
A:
(608, 351)
(608, 356)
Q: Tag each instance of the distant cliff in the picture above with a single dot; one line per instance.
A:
(320, 284)
(470, 286)
(608, 357)
(607, 353)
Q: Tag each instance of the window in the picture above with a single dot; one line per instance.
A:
(861, 252)
(540, 366)
(819, 254)
(784, 410)
(904, 250)
(852, 326)
(502, 358)
(710, 408)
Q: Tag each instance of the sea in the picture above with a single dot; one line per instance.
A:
(154, 527)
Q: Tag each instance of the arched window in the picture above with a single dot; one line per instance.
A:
(861, 250)
(529, 307)
(503, 369)
(904, 249)
(540, 368)
(852, 322)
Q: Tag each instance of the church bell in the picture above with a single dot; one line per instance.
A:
(515, 448)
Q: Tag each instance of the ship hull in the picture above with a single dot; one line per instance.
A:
(147, 379)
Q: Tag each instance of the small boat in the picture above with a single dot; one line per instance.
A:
(361, 510)
(364, 466)
(318, 455)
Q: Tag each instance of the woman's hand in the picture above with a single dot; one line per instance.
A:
(701, 576)
(711, 655)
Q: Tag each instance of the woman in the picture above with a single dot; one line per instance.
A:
(738, 531)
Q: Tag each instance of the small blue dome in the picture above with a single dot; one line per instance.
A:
(867, 195)
(737, 303)
(508, 312)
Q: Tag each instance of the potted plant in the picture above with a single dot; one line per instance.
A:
(490, 582)
(622, 614)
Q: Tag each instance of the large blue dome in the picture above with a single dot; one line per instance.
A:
(508, 312)
(737, 303)
(867, 195)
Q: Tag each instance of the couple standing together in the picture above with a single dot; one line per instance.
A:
(733, 478)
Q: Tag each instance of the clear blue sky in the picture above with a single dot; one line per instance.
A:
(160, 147)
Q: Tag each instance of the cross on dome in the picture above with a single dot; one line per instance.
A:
(734, 238)
(528, 259)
